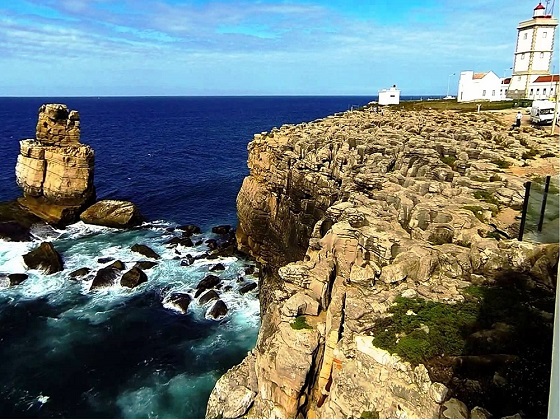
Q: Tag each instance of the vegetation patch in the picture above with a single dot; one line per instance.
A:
(495, 178)
(501, 163)
(530, 154)
(369, 415)
(486, 196)
(300, 324)
(477, 211)
(547, 155)
(449, 160)
(494, 235)
(421, 329)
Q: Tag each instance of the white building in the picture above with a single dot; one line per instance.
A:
(531, 78)
(389, 96)
(480, 87)
(533, 52)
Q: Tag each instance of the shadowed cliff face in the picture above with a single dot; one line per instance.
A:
(353, 212)
(54, 170)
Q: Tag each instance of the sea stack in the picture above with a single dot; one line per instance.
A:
(55, 170)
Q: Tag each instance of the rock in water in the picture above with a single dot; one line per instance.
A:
(17, 278)
(208, 296)
(54, 170)
(112, 213)
(189, 230)
(145, 251)
(208, 282)
(247, 287)
(44, 258)
(218, 310)
(178, 301)
(105, 277)
(133, 278)
(221, 229)
(80, 272)
(145, 265)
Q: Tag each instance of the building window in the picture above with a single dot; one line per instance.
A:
(484, 92)
(531, 93)
(493, 93)
(542, 55)
(525, 35)
(523, 56)
(544, 91)
(544, 34)
(538, 90)
(519, 78)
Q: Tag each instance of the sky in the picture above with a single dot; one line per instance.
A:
(266, 47)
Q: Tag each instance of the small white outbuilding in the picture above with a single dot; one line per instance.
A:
(389, 96)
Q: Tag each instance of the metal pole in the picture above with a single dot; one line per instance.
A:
(555, 117)
(524, 211)
(543, 206)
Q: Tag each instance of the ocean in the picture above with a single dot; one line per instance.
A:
(120, 353)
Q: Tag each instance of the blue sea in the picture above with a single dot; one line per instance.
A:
(121, 353)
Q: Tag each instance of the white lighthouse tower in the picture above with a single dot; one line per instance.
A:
(533, 52)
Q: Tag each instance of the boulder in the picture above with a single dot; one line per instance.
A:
(145, 251)
(44, 258)
(179, 241)
(221, 229)
(212, 244)
(133, 277)
(13, 231)
(104, 260)
(208, 296)
(17, 278)
(189, 230)
(208, 282)
(118, 264)
(178, 301)
(145, 265)
(218, 311)
(112, 213)
(454, 409)
(105, 277)
(247, 287)
(80, 272)
(217, 267)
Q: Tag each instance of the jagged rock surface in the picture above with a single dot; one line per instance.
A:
(373, 207)
(54, 170)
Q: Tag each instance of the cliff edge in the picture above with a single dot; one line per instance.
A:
(392, 284)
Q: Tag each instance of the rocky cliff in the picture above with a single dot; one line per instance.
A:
(54, 170)
(391, 283)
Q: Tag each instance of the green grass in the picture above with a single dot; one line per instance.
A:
(369, 415)
(300, 324)
(486, 196)
(449, 160)
(501, 163)
(477, 211)
(446, 324)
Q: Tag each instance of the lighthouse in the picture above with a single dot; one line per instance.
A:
(533, 52)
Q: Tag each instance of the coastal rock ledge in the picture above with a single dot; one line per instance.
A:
(357, 215)
(54, 170)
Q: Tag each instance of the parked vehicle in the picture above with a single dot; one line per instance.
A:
(542, 112)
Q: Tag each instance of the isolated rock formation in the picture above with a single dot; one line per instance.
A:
(45, 258)
(349, 213)
(54, 170)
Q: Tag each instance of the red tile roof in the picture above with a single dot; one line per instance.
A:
(479, 75)
(506, 81)
(544, 79)
(539, 6)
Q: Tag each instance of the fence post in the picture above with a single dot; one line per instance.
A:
(543, 206)
(524, 211)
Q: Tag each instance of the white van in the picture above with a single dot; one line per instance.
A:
(542, 112)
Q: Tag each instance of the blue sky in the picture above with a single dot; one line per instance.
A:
(267, 47)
